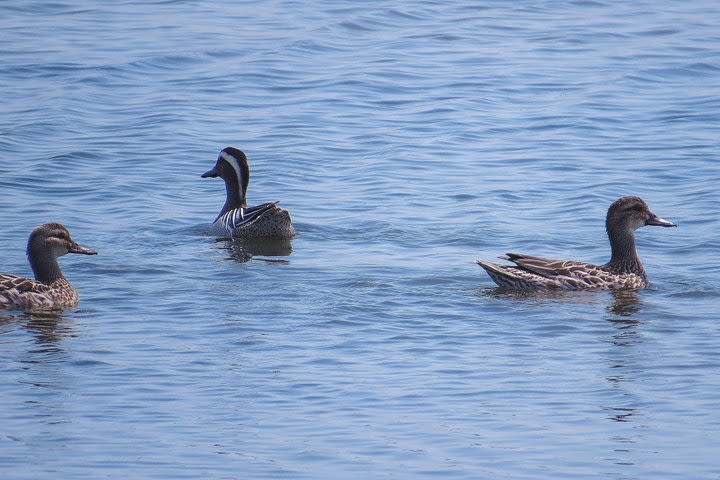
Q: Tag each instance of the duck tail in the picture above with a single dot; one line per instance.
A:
(499, 274)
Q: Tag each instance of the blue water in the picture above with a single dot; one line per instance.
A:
(406, 139)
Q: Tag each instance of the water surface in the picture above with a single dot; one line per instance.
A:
(406, 140)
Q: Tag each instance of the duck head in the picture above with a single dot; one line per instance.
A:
(232, 167)
(54, 238)
(630, 213)
(47, 242)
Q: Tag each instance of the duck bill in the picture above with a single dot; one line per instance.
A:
(659, 222)
(212, 173)
(82, 250)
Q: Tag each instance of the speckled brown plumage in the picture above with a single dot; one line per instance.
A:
(50, 289)
(24, 293)
(624, 270)
(236, 219)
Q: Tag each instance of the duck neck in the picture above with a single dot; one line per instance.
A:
(45, 267)
(235, 195)
(624, 257)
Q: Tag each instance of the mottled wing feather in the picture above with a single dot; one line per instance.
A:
(22, 292)
(551, 268)
(21, 284)
(540, 273)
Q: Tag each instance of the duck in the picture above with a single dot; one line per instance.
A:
(50, 289)
(623, 271)
(236, 219)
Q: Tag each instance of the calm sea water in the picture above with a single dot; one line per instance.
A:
(406, 139)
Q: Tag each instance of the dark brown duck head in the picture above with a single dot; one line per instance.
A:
(47, 242)
(630, 213)
(232, 167)
(624, 216)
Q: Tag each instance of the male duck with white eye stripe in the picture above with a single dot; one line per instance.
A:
(236, 219)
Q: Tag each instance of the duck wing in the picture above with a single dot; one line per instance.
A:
(14, 289)
(532, 273)
(552, 268)
(572, 274)
(238, 217)
(21, 284)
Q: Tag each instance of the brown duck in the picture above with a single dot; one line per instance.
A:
(624, 270)
(50, 289)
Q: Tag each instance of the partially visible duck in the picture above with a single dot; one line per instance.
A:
(236, 219)
(624, 270)
(50, 289)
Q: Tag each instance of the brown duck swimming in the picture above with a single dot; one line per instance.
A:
(236, 219)
(50, 289)
(624, 270)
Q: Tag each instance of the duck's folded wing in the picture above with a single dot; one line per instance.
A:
(551, 268)
(21, 284)
(242, 216)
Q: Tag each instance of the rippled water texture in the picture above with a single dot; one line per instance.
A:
(406, 139)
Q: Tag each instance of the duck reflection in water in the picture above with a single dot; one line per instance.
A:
(623, 359)
(625, 303)
(243, 250)
(621, 314)
(622, 415)
(46, 325)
